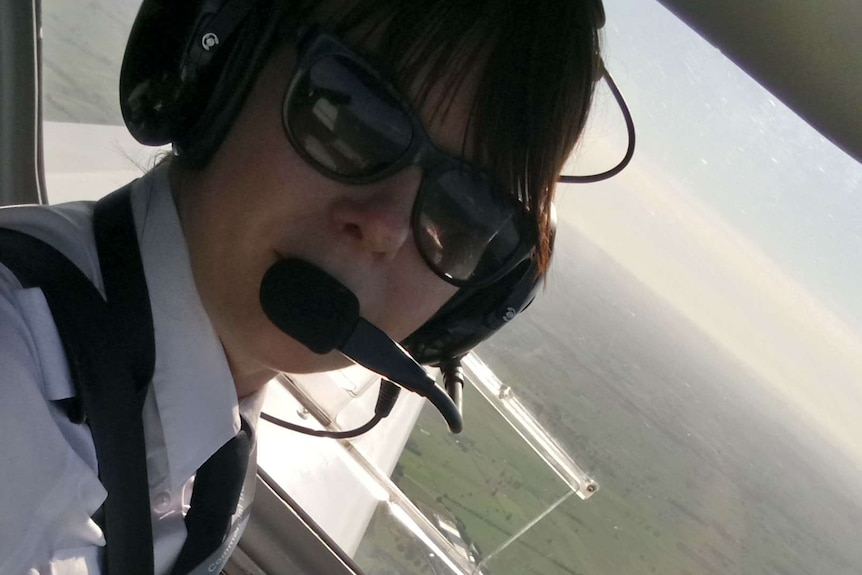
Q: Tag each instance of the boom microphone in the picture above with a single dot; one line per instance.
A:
(321, 313)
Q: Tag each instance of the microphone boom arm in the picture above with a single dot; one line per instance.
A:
(362, 347)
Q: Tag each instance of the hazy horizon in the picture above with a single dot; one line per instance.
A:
(734, 211)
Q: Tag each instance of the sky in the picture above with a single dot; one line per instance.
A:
(735, 211)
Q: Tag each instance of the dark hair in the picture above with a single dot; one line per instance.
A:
(539, 60)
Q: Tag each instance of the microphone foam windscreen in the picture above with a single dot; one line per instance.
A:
(309, 305)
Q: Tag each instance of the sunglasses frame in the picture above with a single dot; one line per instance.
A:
(313, 44)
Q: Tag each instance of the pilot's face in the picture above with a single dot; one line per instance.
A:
(258, 201)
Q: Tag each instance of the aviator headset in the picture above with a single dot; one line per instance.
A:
(186, 72)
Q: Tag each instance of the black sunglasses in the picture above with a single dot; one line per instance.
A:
(349, 122)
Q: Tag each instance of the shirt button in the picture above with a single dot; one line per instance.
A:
(162, 502)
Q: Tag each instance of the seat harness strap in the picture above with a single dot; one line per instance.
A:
(110, 347)
(108, 383)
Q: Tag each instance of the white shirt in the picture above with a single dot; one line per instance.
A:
(49, 485)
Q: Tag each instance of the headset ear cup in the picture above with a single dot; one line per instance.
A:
(231, 82)
(169, 94)
(472, 316)
(151, 90)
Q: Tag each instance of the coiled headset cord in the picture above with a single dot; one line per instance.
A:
(630, 149)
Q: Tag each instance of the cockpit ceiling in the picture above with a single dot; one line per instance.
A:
(809, 54)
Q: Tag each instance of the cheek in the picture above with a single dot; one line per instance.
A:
(414, 300)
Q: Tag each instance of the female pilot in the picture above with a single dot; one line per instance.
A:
(407, 149)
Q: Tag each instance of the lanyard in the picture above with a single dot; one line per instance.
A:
(216, 560)
(220, 506)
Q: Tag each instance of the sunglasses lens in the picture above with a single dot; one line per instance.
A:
(464, 229)
(345, 119)
(349, 123)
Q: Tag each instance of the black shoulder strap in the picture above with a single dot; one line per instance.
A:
(106, 380)
(125, 282)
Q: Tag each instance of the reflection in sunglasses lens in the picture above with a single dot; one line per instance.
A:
(346, 120)
(465, 230)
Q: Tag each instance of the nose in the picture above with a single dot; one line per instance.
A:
(376, 217)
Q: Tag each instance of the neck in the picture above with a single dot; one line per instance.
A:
(251, 381)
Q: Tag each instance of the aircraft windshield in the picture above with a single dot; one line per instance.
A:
(697, 349)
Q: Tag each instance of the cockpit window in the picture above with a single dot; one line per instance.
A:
(81, 55)
(699, 341)
(697, 348)
(87, 150)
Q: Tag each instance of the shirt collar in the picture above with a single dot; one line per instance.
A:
(192, 383)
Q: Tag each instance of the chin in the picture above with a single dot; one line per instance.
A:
(293, 357)
(315, 363)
